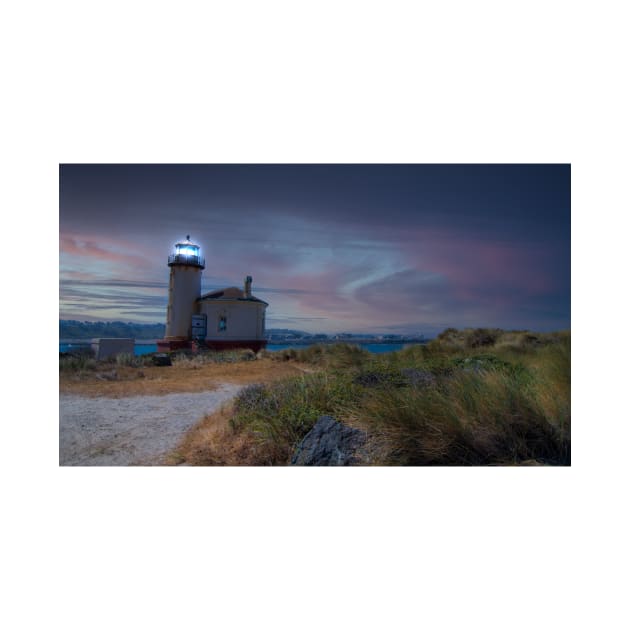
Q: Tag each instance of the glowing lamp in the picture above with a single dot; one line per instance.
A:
(186, 250)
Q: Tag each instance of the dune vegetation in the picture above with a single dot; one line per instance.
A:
(469, 397)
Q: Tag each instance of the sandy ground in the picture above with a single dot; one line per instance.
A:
(133, 430)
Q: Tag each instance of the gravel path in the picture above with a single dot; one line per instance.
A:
(134, 430)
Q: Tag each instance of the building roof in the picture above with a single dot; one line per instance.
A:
(230, 293)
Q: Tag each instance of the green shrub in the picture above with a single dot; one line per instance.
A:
(279, 415)
(482, 337)
(77, 363)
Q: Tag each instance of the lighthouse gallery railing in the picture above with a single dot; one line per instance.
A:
(184, 259)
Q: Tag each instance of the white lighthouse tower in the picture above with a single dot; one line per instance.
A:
(184, 288)
(219, 320)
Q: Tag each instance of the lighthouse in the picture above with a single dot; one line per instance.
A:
(219, 320)
(184, 288)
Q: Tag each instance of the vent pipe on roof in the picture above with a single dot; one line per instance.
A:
(248, 287)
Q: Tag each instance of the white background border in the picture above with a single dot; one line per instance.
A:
(313, 82)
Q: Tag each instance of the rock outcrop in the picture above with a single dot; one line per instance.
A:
(329, 443)
(161, 359)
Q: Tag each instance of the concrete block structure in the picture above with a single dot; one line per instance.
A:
(222, 319)
(110, 347)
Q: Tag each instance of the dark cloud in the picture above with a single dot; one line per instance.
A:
(498, 200)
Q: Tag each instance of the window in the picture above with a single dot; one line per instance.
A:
(222, 323)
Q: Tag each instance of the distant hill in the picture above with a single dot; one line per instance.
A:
(285, 331)
(72, 329)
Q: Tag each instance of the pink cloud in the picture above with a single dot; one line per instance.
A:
(470, 264)
(107, 250)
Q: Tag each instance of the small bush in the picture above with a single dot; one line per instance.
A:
(448, 340)
(482, 337)
(126, 359)
(77, 363)
(279, 415)
(485, 363)
(286, 354)
(192, 360)
(250, 399)
(448, 334)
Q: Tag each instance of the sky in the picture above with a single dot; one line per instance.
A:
(393, 248)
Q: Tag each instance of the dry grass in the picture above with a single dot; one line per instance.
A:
(212, 442)
(119, 381)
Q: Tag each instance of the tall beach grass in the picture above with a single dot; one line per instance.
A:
(471, 397)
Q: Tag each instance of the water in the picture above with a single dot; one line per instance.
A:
(147, 348)
(74, 346)
(376, 348)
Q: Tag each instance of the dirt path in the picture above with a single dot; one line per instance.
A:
(133, 430)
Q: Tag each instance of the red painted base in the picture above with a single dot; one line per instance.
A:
(170, 345)
(252, 344)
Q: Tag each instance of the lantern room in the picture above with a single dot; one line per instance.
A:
(186, 253)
